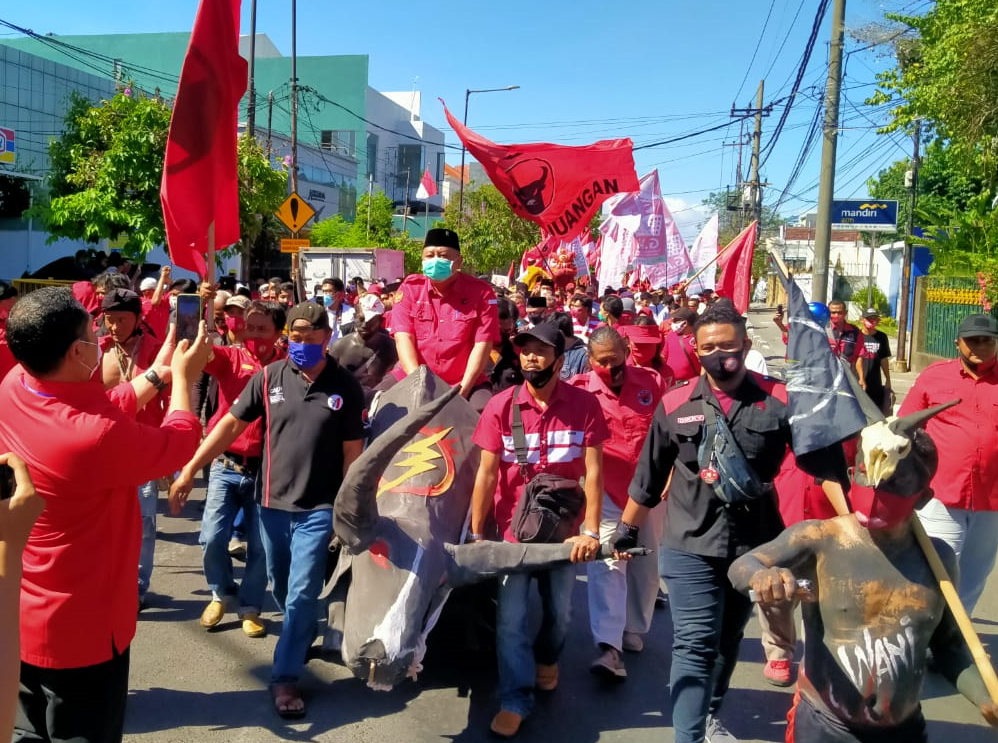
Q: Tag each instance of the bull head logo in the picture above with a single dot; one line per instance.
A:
(530, 184)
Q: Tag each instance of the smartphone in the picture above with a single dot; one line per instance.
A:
(189, 316)
(7, 483)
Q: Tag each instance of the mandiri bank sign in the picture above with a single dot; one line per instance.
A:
(866, 215)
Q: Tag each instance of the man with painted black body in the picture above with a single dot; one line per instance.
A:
(703, 532)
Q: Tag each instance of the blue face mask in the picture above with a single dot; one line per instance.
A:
(437, 269)
(327, 300)
(305, 355)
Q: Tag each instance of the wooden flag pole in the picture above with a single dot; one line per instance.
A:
(209, 269)
(977, 651)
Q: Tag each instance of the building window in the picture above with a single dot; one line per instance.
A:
(372, 155)
(410, 165)
(341, 141)
(440, 167)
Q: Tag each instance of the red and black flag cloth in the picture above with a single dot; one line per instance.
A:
(558, 187)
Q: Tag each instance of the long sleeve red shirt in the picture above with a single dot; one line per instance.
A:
(87, 456)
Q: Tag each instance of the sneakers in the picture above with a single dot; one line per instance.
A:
(777, 672)
(212, 614)
(237, 547)
(717, 733)
(506, 724)
(632, 642)
(253, 626)
(608, 665)
(546, 678)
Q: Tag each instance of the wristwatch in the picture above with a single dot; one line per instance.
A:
(154, 379)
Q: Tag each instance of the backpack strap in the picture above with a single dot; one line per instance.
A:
(519, 435)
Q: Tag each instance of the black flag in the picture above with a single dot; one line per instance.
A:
(824, 408)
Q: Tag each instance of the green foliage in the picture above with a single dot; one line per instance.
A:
(106, 174)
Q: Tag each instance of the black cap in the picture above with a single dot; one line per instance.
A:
(977, 325)
(546, 333)
(312, 313)
(537, 303)
(121, 300)
(442, 238)
(871, 312)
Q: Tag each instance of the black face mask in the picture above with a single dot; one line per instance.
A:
(723, 365)
(538, 378)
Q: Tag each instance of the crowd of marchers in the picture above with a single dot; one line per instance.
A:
(651, 398)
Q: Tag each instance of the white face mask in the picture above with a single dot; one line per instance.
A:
(100, 356)
(173, 301)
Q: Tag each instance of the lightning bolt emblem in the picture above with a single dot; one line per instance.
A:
(424, 453)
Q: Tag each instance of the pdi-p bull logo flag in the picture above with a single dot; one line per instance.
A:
(558, 187)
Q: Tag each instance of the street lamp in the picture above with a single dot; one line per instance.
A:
(467, 95)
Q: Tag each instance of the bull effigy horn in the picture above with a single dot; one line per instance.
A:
(905, 426)
(355, 511)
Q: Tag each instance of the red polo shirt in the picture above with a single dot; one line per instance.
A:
(680, 356)
(87, 456)
(153, 411)
(966, 435)
(232, 367)
(7, 360)
(628, 416)
(445, 328)
(556, 440)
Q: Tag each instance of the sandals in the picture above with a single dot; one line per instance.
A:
(287, 697)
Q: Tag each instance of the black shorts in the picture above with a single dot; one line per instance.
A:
(808, 724)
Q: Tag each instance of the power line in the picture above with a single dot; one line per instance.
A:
(758, 43)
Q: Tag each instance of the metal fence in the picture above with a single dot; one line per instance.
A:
(24, 286)
(944, 302)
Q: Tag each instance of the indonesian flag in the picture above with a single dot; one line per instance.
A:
(427, 186)
(558, 187)
(704, 250)
(200, 184)
(735, 280)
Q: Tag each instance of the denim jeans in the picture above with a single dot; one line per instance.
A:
(709, 618)
(148, 502)
(229, 493)
(516, 650)
(297, 547)
(973, 535)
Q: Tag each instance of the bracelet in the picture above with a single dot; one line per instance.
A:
(590, 534)
(154, 379)
(475, 537)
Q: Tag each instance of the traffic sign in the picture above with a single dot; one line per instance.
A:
(865, 215)
(292, 245)
(295, 212)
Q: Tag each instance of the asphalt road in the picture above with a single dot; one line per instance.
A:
(191, 685)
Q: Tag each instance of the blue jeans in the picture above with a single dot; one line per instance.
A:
(516, 650)
(708, 619)
(148, 501)
(229, 493)
(297, 547)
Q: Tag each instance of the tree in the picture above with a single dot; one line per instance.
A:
(730, 223)
(107, 168)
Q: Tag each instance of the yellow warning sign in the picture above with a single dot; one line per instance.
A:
(295, 212)
(293, 245)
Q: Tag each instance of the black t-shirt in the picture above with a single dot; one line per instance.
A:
(872, 350)
(696, 520)
(305, 426)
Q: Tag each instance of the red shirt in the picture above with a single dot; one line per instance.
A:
(584, 331)
(87, 456)
(680, 356)
(145, 354)
(232, 367)
(556, 439)
(157, 317)
(445, 328)
(966, 435)
(628, 416)
(7, 360)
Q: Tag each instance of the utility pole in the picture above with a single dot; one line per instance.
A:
(756, 146)
(826, 187)
(901, 358)
(270, 120)
(251, 105)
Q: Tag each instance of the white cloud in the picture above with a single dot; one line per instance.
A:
(689, 216)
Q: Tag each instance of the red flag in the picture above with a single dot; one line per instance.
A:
(558, 187)
(735, 281)
(199, 184)
(427, 186)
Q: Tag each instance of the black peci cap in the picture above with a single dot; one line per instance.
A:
(442, 238)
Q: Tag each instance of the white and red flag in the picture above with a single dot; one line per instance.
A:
(427, 186)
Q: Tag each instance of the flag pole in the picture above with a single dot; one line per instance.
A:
(712, 261)
(209, 269)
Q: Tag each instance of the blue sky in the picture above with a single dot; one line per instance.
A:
(648, 69)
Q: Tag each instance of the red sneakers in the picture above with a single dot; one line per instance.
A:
(777, 672)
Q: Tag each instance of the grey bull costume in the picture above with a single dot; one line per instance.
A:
(399, 515)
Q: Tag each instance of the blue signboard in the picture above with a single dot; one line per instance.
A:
(867, 215)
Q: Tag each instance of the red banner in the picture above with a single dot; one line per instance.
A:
(200, 184)
(558, 187)
(735, 280)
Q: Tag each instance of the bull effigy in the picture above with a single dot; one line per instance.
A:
(399, 516)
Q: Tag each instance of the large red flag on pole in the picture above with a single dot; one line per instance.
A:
(735, 280)
(558, 187)
(199, 190)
